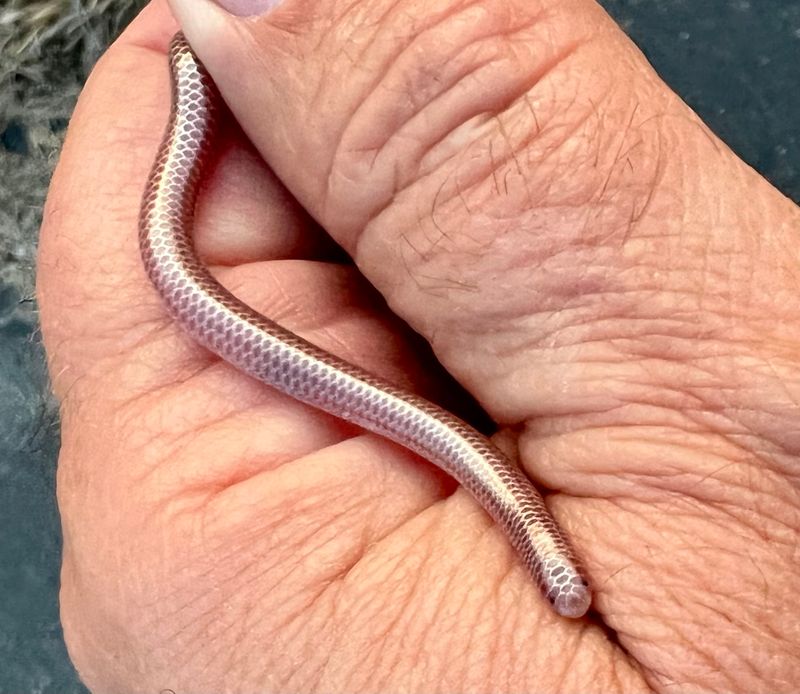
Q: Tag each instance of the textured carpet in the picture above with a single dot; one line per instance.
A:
(734, 61)
(46, 51)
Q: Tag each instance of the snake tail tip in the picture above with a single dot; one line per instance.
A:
(573, 605)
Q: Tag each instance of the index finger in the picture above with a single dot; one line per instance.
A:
(89, 281)
(94, 296)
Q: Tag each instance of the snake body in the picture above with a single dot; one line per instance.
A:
(269, 353)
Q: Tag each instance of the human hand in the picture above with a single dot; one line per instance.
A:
(614, 286)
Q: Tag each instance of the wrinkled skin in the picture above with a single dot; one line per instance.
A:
(608, 280)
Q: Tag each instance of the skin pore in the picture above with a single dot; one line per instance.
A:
(584, 256)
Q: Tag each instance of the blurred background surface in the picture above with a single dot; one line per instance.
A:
(734, 61)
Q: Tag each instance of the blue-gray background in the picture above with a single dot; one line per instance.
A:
(734, 61)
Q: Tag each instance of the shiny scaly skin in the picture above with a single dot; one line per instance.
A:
(267, 352)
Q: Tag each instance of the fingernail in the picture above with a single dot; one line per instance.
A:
(248, 8)
(205, 21)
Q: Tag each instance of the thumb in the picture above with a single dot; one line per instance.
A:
(512, 176)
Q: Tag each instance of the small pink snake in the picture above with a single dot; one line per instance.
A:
(267, 352)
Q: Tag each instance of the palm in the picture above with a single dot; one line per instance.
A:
(241, 540)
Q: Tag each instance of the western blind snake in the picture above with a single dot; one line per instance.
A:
(267, 352)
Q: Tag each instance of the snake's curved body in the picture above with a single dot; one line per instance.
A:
(263, 349)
